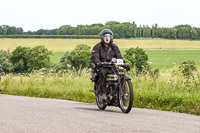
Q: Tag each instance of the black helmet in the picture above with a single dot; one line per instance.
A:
(106, 32)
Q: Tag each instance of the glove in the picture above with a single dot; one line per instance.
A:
(99, 65)
(127, 67)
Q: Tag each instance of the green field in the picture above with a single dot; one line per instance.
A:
(162, 53)
(164, 59)
(56, 56)
(160, 59)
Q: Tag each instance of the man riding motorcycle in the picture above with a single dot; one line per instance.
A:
(104, 51)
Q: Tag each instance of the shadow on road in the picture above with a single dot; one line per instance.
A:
(96, 109)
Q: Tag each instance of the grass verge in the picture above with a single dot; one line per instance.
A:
(165, 93)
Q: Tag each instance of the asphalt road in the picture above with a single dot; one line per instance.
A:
(20, 114)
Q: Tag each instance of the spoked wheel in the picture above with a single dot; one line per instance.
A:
(126, 96)
(99, 101)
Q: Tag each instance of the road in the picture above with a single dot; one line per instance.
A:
(19, 114)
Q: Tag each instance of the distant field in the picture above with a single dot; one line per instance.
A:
(62, 45)
(164, 59)
(55, 58)
(162, 53)
(161, 59)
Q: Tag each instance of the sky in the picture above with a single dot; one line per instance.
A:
(50, 14)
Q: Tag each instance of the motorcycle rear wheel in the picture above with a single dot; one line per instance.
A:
(126, 96)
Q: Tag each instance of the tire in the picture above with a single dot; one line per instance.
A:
(100, 104)
(126, 96)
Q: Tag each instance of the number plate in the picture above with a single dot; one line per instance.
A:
(120, 62)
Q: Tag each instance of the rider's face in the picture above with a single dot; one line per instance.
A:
(107, 38)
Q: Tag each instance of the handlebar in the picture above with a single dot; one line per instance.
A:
(111, 63)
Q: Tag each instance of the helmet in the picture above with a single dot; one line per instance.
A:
(106, 36)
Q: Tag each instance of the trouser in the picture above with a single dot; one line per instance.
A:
(102, 78)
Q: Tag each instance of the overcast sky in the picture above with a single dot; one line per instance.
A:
(50, 14)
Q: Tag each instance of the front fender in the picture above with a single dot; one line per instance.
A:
(126, 77)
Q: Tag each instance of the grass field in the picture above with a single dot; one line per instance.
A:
(161, 59)
(62, 45)
(162, 53)
(164, 59)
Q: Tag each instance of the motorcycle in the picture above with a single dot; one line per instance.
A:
(118, 85)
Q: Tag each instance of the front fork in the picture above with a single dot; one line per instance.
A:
(119, 89)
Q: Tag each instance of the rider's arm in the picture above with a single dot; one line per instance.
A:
(95, 55)
(118, 53)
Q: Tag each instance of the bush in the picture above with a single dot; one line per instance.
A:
(187, 68)
(39, 57)
(19, 58)
(77, 58)
(137, 58)
(26, 59)
(5, 61)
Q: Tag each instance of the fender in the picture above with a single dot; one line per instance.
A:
(126, 77)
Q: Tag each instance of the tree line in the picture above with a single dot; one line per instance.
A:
(121, 30)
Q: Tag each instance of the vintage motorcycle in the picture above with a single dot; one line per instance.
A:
(118, 85)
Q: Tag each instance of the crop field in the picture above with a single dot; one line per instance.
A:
(62, 45)
(162, 53)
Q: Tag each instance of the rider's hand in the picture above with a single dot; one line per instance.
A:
(127, 67)
(99, 64)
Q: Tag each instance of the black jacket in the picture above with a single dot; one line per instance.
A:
(101, 53)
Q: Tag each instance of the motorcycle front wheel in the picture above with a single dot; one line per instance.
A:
(126, 96)
(99, 101)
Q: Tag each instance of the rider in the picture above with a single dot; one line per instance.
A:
(105, 51)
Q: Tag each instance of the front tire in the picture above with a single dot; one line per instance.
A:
(126, 96)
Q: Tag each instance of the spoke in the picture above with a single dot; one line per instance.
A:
(125, 96)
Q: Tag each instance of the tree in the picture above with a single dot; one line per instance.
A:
(66, 30)
(112, 22)
(198, 33)
(128, 29)
(148, 30)
(183, 31)
(173, 33)
(134, 30)
(139, 32)
(4, 31)
(1, 30)
(156, 30)
(153, 31)
(166, 33)
(79, 57)
(193, 34)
